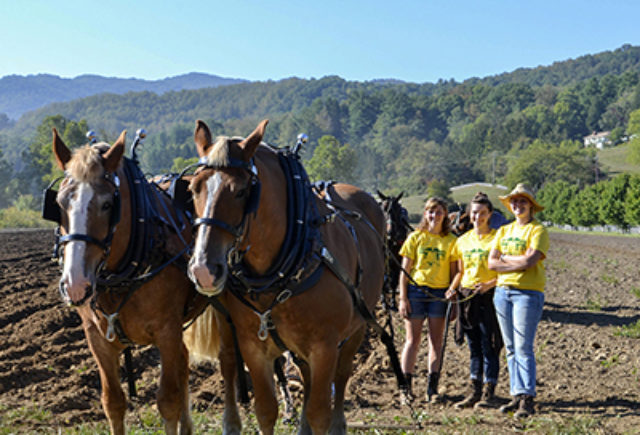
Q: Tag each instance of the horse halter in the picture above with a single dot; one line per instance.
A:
(51, 211)
(251, 206)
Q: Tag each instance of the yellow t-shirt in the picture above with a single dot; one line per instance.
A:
(431, 255)
(473, 250)
(514, 239)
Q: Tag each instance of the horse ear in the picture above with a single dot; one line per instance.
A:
(60, 150)
(250, 144)
(202, 138)
(381, 195)
(114, 154)
(400, 196)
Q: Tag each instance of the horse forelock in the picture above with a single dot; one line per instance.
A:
(86, 163)
(221, 151)
(219, 154)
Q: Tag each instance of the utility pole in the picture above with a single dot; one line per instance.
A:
(493, 167)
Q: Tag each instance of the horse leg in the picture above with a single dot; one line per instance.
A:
(343, 372)
(322, 362)
(305, 428)
(173, 393)
(231, 423)
(289, 414)
(266, 403)
(112, 398)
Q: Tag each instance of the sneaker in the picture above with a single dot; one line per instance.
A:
(511, 406)
(526, 408)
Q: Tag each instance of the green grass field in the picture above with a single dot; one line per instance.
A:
(613, 160)
(415, 203)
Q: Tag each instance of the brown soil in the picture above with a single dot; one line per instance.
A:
(586, 375)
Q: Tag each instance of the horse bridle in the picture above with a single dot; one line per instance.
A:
(251, 205)
(51, 211)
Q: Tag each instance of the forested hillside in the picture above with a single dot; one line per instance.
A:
(527, 126)
(20, 94)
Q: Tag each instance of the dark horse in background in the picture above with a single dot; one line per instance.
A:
(241, 198)
(398, 227)
(124, 261)
(461, 220)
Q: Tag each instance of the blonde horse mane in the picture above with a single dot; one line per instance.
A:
(86, 163)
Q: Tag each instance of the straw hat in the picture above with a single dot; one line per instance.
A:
(521, 190)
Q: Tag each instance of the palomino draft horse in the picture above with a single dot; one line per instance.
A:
(124, 270)
(291, 268)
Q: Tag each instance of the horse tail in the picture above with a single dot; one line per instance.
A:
(202, 337)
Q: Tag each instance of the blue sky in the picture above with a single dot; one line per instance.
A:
(417, 41)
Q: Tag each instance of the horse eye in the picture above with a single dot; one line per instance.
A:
(106, 206)
(242, 193)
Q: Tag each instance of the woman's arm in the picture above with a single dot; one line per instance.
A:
(455, 271)
(513, 263)
(403, 304)
(483, 287)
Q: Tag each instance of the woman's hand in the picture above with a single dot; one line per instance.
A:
(481, 288)
(404, 307)
(451, 294)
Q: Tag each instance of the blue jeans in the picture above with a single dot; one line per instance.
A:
(484, 363)
(519, 312)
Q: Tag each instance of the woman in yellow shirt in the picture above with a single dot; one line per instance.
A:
(478, 317)
(427, 255)
(517, 255)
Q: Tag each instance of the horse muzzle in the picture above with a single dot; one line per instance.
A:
(76, 301)
(209, 279)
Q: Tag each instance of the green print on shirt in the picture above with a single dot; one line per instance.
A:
(475, 257)
(436, 252)
(513, 245)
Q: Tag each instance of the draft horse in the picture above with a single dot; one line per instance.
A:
(123, 250)
(398, 227)
(460, 219)
(293, 269)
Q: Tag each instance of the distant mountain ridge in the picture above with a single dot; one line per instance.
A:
(20, 94)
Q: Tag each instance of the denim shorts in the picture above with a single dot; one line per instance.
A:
(423, 305)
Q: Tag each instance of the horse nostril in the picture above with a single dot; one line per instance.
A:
(217, 270)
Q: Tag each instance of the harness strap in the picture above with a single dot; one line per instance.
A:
(242, 381)
(359, 303)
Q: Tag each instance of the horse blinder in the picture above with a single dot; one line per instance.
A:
(50, 208)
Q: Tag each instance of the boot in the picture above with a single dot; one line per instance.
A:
(488, 399)
(473, 397)
(407, 393)
(511, 406)
(432, 388)
(526, 408)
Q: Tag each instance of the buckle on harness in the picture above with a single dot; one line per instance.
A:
(284, 295)
(111, 330)
(266, 323)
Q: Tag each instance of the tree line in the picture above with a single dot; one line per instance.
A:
(614, 202)
(378, 135)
